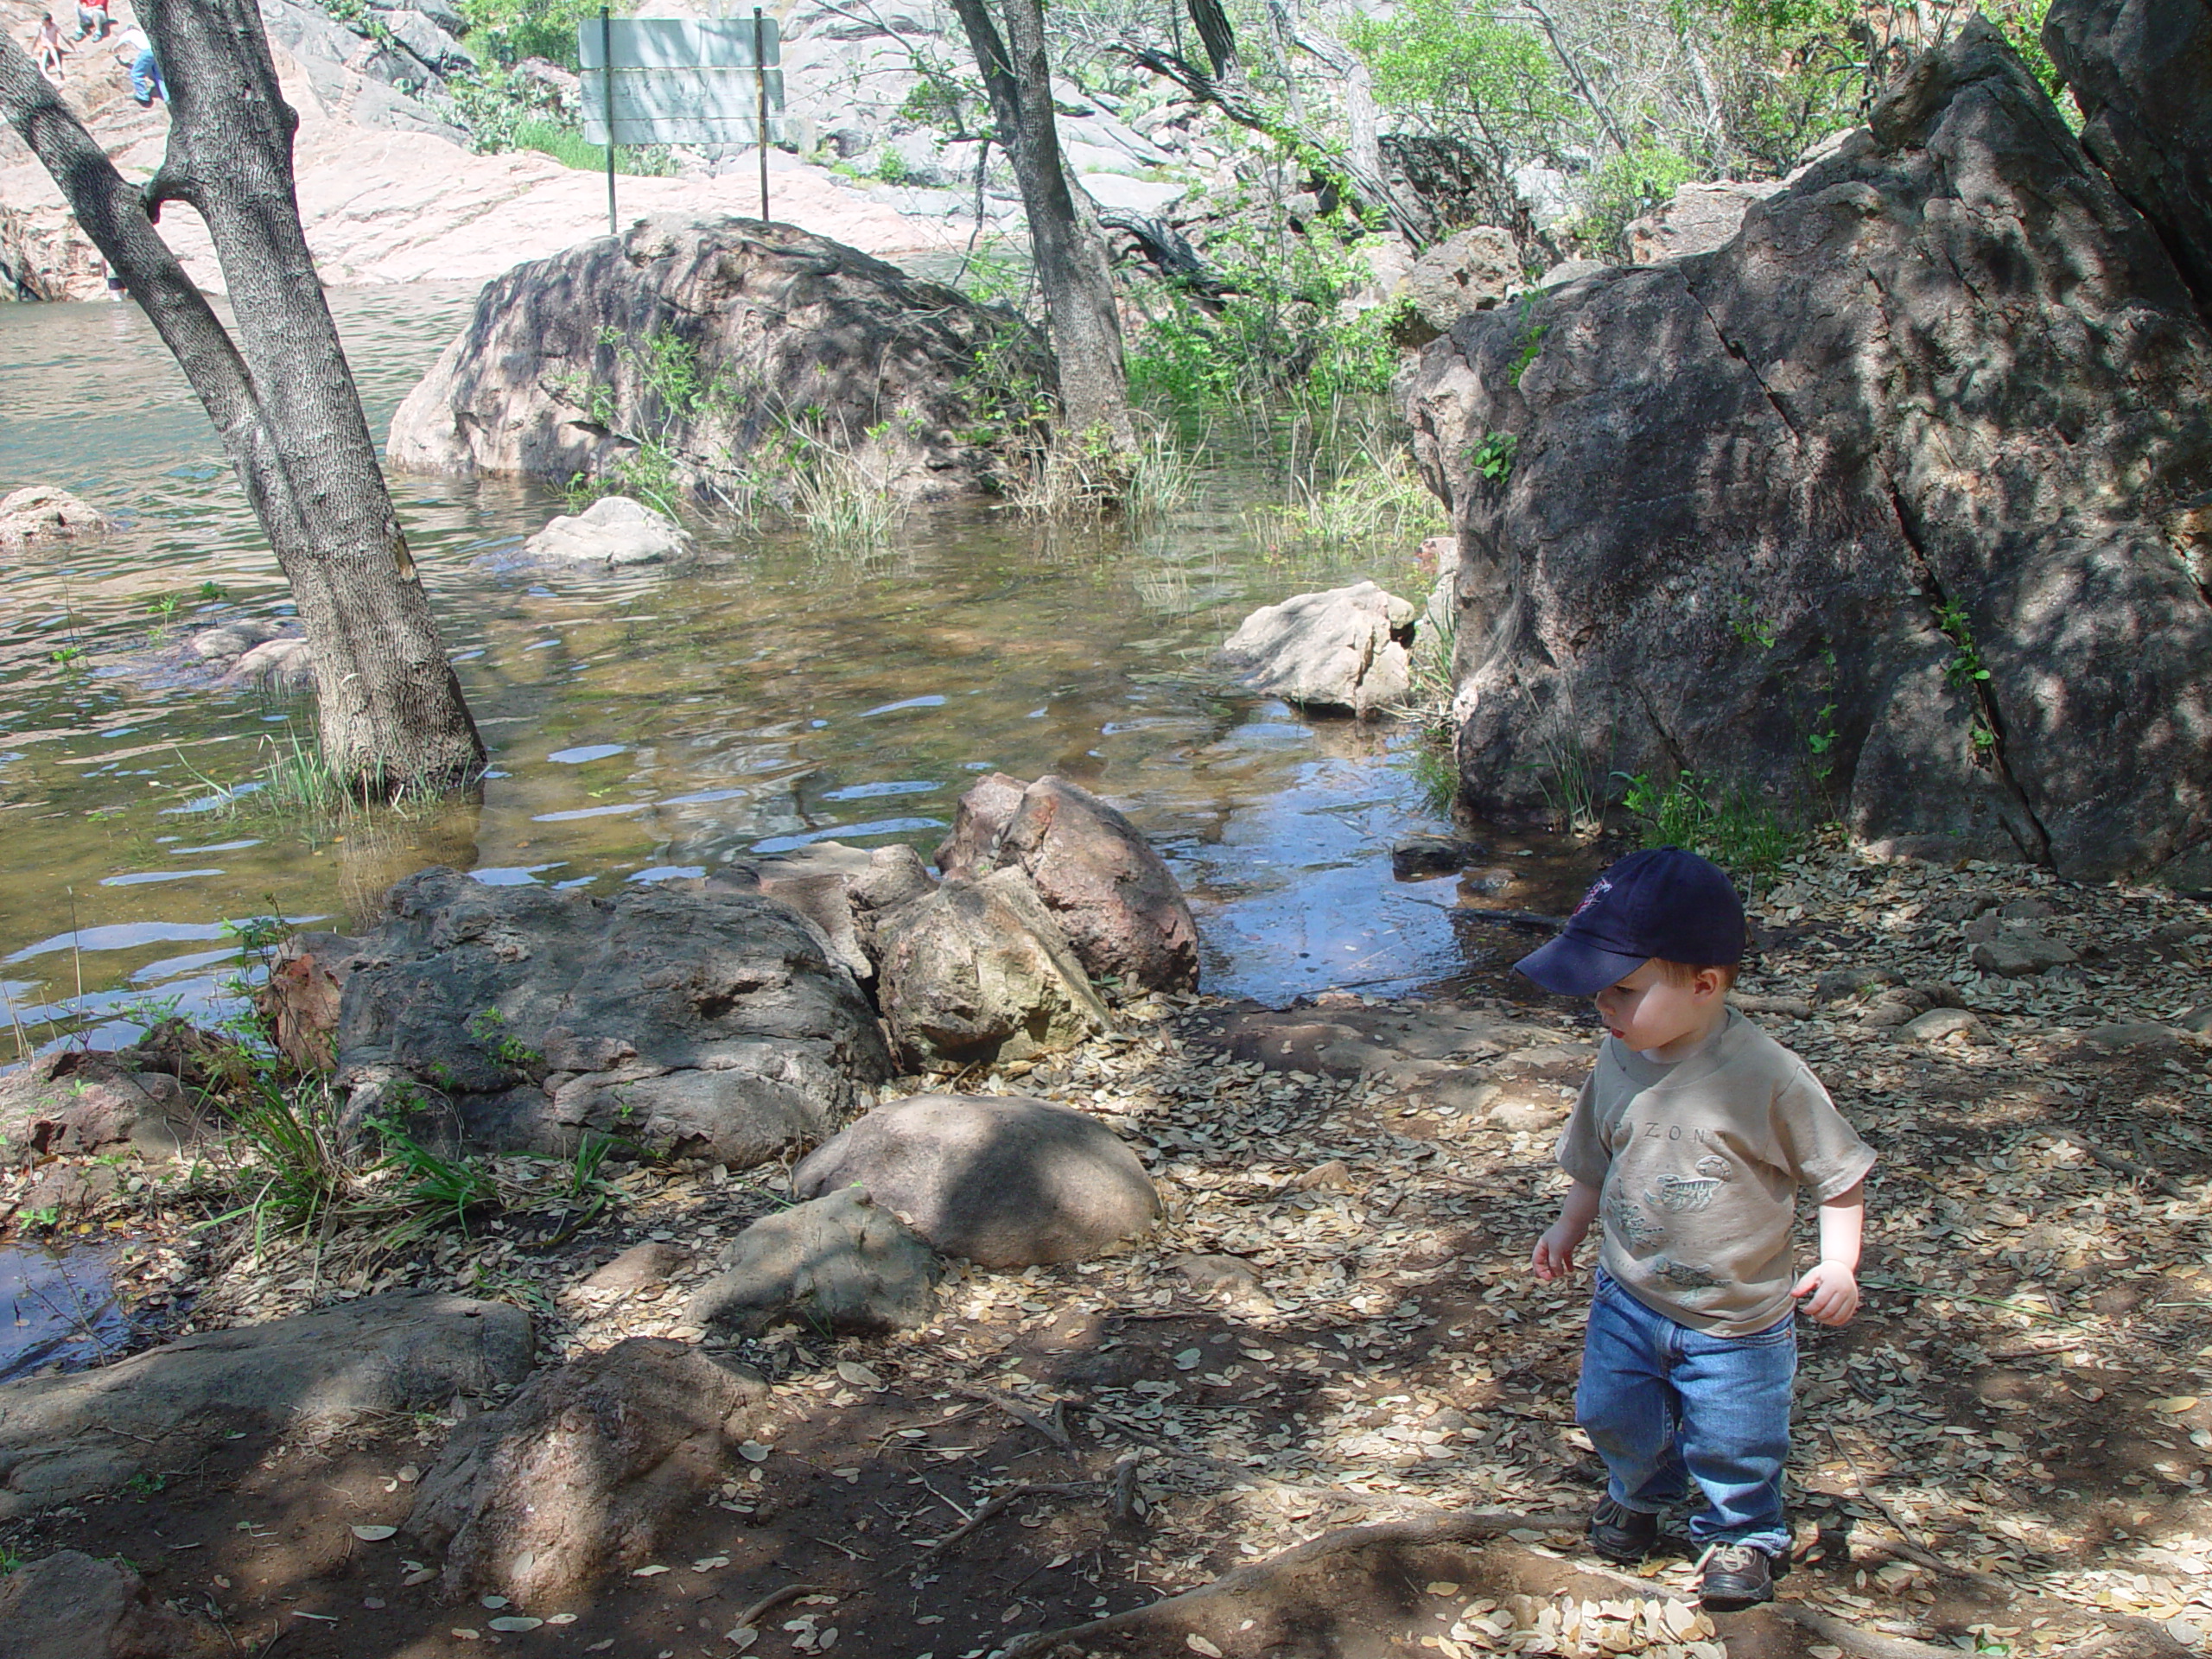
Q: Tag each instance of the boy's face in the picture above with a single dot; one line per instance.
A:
(1649, 1011)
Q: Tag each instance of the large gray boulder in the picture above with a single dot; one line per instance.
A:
(2141, 72)
(70, 1605)
(1111, 894)
(1768, 512)
(1006, 1181)
(978, 972)
(844, 891)
(798, 339)
(715, 1025)
(585, 1471)
(64, 1438)
(839, 1262)
(1346, 649)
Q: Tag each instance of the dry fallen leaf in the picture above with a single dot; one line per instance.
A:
(858, 1375)
(1197, 1643)
(516, 1622)
(375, 1535)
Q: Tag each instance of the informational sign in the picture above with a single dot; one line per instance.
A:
(681, 80)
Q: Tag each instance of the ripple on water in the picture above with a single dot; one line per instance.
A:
(815, 678)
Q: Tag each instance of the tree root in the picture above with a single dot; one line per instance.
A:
(1459, 1527)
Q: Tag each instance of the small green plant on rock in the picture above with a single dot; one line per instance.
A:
(488, 1026)
(1493, 456)
(1731, 826)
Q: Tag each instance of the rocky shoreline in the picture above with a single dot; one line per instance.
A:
(1330, 1322)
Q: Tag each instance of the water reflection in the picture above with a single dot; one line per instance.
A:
(642, 724)
(57, 1309)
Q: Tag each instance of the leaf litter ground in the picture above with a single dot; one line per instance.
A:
(1326, 1395)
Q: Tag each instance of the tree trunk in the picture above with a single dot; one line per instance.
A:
(281, 395)
(1080, 312)
(1218, 35)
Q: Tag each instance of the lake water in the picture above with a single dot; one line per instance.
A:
(641, 724)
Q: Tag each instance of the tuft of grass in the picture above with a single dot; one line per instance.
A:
(845, 507)
(1435, 773)
(1376, 497)
(1730, 825)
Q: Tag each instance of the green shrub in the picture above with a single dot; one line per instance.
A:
(1732, 826)
(1277, 330)
(1627, 187)
(510, 31)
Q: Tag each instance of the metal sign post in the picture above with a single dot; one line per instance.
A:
(607, 56)
(681, 80)
(760, 74)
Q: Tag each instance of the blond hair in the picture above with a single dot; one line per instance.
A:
(1684, 973)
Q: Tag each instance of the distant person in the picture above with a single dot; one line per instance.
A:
(135, 52)
(47, 47)
(92, 19)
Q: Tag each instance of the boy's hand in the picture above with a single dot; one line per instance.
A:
(1831, 1290)
(1553, 1256)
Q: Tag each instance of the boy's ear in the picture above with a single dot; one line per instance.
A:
(1710, 982)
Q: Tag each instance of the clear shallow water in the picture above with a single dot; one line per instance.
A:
(56, 1308)
(641, 724)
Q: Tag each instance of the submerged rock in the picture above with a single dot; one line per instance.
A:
(40, 513)
(613, 530)
(585, 1471)
(1343, 649)
(1006, 1181)
(711, 1025)
(246, 651)
(794, 341)
(63, 1438)
(1111, 894)
(837, 1261)
(1879, 487)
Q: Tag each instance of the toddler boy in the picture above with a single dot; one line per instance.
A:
(1692, 1139)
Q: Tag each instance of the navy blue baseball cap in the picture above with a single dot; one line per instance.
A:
(1662, 902)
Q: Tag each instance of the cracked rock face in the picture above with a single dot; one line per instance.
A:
(1773, 511)
(711, 1025)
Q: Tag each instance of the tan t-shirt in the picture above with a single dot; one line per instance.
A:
(1701, 1163)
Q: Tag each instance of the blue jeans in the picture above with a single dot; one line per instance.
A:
(146, 82)
(1669, 1407)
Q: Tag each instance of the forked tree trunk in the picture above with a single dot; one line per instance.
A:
(1072, 269)
(281, 395)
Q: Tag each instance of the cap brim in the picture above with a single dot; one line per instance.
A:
(1573, 967)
